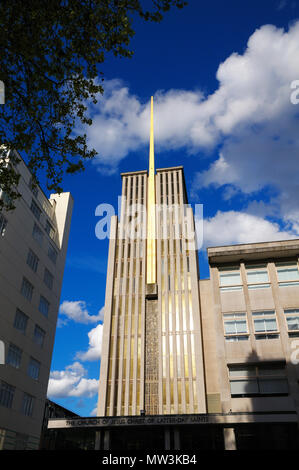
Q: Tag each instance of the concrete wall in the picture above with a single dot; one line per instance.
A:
(14, 247)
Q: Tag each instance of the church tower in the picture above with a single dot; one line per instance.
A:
(152, 353)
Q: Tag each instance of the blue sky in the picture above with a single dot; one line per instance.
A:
(221, 74)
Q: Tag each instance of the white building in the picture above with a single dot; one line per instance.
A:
(33, 246)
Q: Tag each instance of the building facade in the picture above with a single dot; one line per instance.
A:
(33, 246)
(189, 363)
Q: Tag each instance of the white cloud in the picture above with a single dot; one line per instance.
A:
(76, 310)
(95, 345)
(94, 412)
(253, 87)
(231, 227)
(249, 116)
(71, 382)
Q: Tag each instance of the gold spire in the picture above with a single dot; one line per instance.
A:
(151, 215)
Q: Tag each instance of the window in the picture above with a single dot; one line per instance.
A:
(49, 229)
(287, 274)
(44, 306)
(27, 404)
(33, 187)
(6, 394)
(21, 320)
(257, 276)
(258, 380)
(3, 223)
(39, 335)
(48, 278)
(27, 289)
(35, 209)
(52, 253)
(230, 279)
(235, 326)
(14, 356)
(37, 234)
(292, 319)
(265, 322)
(33, 368)
(32, 260)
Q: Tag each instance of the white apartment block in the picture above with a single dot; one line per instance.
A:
(33, 246)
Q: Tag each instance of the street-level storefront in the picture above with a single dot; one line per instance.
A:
(176, 432)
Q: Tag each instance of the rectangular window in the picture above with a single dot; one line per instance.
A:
(49, 229)
(27, 289)
(258, 380)
(257, 276)
(44, 306)
(14, 356)
(235, 326)
(39, 336)
(27, 404)
(48, 279)
(35, 209)
(33, 368)
(3, 223)
(21, 321)
(33, 187)
(230, 279)
(292, 319)
(37, 234)
(52, 253)
(6, 394)
(287, 274)
(32, 260)
(264, 322)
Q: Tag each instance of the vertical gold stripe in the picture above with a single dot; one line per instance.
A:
(151, 216)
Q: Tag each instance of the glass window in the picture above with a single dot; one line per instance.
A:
(292, 319)
(3, 223)
(14, 356)
(52, 253)
(39, 335)
(48, 278)
(6, 394)
(293, 323)
(244, 387)
(49, 229)
(27, 404)
(33, 368)
(264, 321)
(266, 336)
(27, 289)
(21, 320)
(230, 279)
(258, 380)
(35, 209)
(44, 306)
(287, 272)
(32, 260)
(234, 325)
(257, 276)
(37, 234)
(33, 187)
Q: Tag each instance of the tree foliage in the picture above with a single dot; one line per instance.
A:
(50, 63)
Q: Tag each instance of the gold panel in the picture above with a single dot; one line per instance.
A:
(151, 209)
(214, 403)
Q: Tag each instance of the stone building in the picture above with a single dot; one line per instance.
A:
(33, 245)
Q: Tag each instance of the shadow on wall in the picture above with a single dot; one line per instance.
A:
(268, 391)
